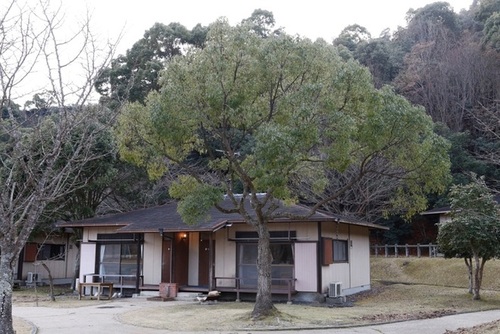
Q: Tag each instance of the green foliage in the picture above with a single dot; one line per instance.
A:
(486, 9)
(195, 199)
(491, 31)
(261, 22)
(352, 36)
(255, 112)
(474, 228)
(438, 14)
(132, 76)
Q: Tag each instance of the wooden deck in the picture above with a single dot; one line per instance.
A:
(276, 290)
(239, 288)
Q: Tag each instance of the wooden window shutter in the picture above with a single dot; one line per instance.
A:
(30, 251)
(327, 253)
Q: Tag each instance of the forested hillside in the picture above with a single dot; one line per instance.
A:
(450, 64)
(447, 62)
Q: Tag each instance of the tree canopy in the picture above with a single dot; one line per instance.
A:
(473, 233)
(272, 115)
(133, 75)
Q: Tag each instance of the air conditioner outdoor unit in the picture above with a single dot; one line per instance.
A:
(335, 289)
(32, 278)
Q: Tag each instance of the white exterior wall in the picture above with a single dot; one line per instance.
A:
(152, 258)
(305, 253)
(59, 269)
(90, 233)
(225, 258)
(444, 218)
(306, 272)
(355, 274)
(360, 259)
(194, 258)
(87, 262)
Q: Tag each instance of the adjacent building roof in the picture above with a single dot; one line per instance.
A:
(447, 209)
(167, 218)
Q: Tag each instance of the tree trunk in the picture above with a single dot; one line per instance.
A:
(477, 278)
(6, 286)
(51, 283)
(468, 263)
(263, 304)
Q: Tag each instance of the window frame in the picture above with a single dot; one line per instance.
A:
(245, 264)
(340, 244)
(51, 252)
(125, 260)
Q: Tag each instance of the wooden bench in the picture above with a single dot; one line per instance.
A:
(99, 285)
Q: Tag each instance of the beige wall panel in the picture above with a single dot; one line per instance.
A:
(305, 267)
(194, 258)
(152, 258)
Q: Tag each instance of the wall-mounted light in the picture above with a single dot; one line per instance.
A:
(161, 232)
(183, 236)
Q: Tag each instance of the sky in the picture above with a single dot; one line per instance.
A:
(311, 18)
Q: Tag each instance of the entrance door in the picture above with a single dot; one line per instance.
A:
(181, 259)
(204, 264)
(166, 269)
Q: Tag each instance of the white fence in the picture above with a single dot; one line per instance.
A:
(418, 250)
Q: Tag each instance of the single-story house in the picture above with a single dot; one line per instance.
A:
(137, 250)
(56, 251)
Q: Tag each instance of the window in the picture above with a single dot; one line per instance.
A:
(117, 258)
(340, 251)
(282, 265)
(51, 252)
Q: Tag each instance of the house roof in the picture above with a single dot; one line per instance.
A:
(447, 209)
(437, 211)
(167, 218)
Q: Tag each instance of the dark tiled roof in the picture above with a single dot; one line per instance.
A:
(447, 209)
(437, 211)
(167, 218)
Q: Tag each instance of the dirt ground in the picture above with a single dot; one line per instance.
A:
(402, 289)
(384, 303)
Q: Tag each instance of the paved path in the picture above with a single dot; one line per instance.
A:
(102, 319)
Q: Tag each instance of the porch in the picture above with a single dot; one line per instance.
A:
(236, 287)
(116, 281)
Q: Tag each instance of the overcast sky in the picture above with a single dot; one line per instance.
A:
(309, 18)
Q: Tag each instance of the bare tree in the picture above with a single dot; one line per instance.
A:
(41, 155)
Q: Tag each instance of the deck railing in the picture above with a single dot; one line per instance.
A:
(237, 286)
(119, 281)
(418, 250)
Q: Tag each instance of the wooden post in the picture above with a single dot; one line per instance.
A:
(407, 250)
(418, 250)
(386, 249)
(396, 250)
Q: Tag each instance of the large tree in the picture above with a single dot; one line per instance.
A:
(274, 115)
(473, 233)
(133, 75)
(42, 153)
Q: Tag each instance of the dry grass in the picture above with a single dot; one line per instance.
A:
(432, 271)
(402, 289)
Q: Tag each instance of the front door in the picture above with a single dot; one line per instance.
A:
(180, 259)
(204, 264)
